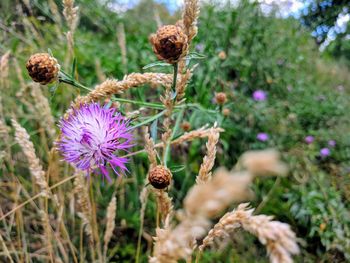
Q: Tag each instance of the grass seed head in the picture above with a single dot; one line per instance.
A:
(220, 98)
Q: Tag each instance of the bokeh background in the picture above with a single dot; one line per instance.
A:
(284, 66)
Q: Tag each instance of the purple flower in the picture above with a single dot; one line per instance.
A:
(324, 152)
(262, 136)
(90, 137)
(309, 139)
(259, 95)
(331, 143)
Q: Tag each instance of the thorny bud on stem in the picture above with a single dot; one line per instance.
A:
(159, 177)
(169, 43)
(186, 126)
(220, 98)
(43, 68)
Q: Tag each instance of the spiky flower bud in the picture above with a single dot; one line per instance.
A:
(186, 126)
(169, 43)
(226, 112)
(43, 68)
(220, 98)
(159, 177)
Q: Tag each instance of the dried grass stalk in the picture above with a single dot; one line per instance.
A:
(71, 15)
(122, 43)
(266, 162)
(80, 189)
(182, 84)
(35, 168)
(100, 75)
(112, 86)
(278, 238)
(149, 147)
(4, 70)
(199, 133)
(190, 17)
(111, 213)
(164, 204)
(43, 109)
(173, 244)
(208, 160)
(215, 195)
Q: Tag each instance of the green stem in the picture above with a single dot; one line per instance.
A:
(176, 67)
(146, 104)
(177, 125)
(147, 121)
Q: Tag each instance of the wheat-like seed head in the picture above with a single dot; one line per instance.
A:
(278, 238)
(35, 168)
(208, 160)
(111, 214)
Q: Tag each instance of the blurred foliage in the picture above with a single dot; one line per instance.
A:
(306, 95)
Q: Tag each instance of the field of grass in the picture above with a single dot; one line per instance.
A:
(281, 93)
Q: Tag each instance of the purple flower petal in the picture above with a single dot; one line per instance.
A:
(91, 136)
(309, 139)
(259, 95)
(324, 152)
(262, 136)
(332, 143)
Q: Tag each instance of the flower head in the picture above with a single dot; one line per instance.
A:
(309, 139)
(332, 143)
(91, 136)
(263, 137)
(169, 43)
(259, 95)
(43, 68)
(324, 152)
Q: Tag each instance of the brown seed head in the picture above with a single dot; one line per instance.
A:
(220, 98)
(186, 126)
(43, 68)
(159, 177)
(226, 112)
(222, 55)
(169, 43)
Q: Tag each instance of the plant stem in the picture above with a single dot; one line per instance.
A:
(136, 102)
(147, 121)
(177, 125)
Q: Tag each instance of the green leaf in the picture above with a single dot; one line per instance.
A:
(157, 64)
(154, 127)
(195, 55)
(74, 65)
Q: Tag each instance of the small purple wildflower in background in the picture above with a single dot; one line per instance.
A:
(331, 143)
(262, 136)
(259, 95)
(200, 47)
(325, 152)
(90, 137)
(309, 139)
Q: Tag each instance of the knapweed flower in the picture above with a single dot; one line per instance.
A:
(259, 95)
(324, 152)
(91, 136)
(263, 137)
(332, 143)
(309, 139)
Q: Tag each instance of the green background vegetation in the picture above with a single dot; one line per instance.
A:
(263, 52)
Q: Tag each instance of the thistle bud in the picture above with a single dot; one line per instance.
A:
(186, 126)
(220, 98)
(43, 68)
(226, 112)
(159, 177)
(169, 43)
(222, 55)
